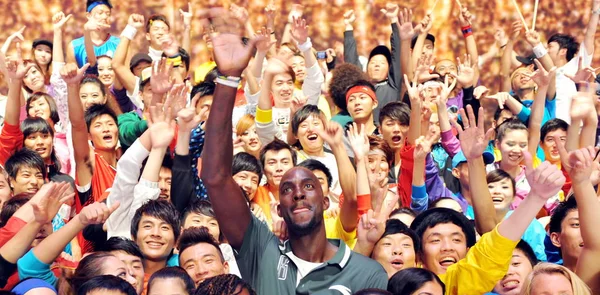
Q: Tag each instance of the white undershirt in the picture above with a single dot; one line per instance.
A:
(304, 267)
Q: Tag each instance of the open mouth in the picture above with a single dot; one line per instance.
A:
(514, 158)
(447, 261)
(154, 245)
(396, 139)
(397, 263)
(497, 199)
(107, 138)
(512, 284)
(312, 137)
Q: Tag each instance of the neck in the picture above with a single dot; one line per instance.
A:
(283, 105)
(569, 263)
(98, 37)
(109, 156)
(312, 247)
(150, 266)
(152, 48)
(466, 193)
(527, 94)
(319, 152)
(274, 189)
(255, 153)
(369, 125)
(501, 213)
(561, 62)
(513, 171)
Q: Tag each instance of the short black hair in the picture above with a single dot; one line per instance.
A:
(403, 210)
(429, 37)
(211, 76)
(203, 89)
(97, 110)
(24, 158)
(198, 206)
(121, 244)
(156, 17)
(341, 78)
(567, 42)
(409, 280)
(11, 206)
(160, 209)
(312, 165)
(185, 57)
(511, 124)
(173, 272)
(397, 111)
(106, 282)
(528, 251)
(223, 284)
(304, 113)
(373, 291)
(34, 125)
(553, 125)
(196, 235)
(276, 145)
(93, 79)
(434, 216)
(498, 112)
(51, 105)
(560, 213)
(246, 162)
(395, 226)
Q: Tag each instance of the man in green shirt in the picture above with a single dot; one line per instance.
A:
(307, 263)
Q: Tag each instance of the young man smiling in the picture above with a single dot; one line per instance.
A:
(301, 263)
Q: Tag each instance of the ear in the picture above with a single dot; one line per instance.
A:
(375, 104)
(555, 238)
(10, 182)
(455, 173)
(225, 267)
(148, 36)
(326, 203)
(562, 52)
(279, 210)
(494, 122)
(89, 136)
(497, 144)
(88, 15)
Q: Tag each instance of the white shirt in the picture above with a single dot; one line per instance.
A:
(565, 87)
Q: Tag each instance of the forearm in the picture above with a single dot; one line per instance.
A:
(535, 119)
(257, 65)
(405, 64)
(78, 125)
(186, 40)
(153, 164)
(362, 177)
(395, 68)
(589, 218)
(485, 214)
(414, 127)
(588, 131)
(182, 190)
(513, 105)
(264, 100)
(347, 176)
(418, 49)
(57, 47)
(89, 48)
(418, 177)
(505, 66)
(16, 247)
(51, 247)
(363, 247)
(350, 51)
(573, 135)
(183, 142)
(590, 33)
(286, 37)
(515, 225)
(13, 104)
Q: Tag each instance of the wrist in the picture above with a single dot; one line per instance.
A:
(467, 31)
(129, 32)
(305, 46)
(393, 20)
(539, 50)
(349, 27)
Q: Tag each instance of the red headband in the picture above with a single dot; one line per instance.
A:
(361, 89)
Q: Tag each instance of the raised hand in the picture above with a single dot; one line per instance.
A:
(296, 12)
(546, 180)
(473, 139)
(517, 28)
(278, 224)
(186, 16)
(299, 30)
(533, 38)
(271, 13)
(413, 90)
(464, 16)
(446, 90)
(169, 45)
(298, 103)
(93, 25)
(187, 119)
(582, 106)
(466, 72)
(359, 141)
(59, 20)
(49, 199)
(371, 225)
(501, 97)
(136, 21)
(391, 12)
(96, 213)
(276, 66)
(161, 80)
(480, 91)
(578, 163)
(71, 74)
(407, 31)
(422, 71)
(161, 126)
(331, 134)
(541, 77)
(583, 74)
(266, 42)
(17, 68)
(427, 23)
(349, 18)
(17, 36)
(176, 99)
(423, 147)
(240, 13)
(500, 37)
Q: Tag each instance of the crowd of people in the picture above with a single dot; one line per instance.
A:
(277, 168)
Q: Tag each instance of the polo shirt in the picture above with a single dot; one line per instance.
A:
(268, 268)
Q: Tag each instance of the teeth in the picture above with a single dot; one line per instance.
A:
(510, 284)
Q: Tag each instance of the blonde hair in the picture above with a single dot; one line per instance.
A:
(244, 124)
(577, 285)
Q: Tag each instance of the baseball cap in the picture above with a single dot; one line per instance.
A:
(146, 75)
(414, 40)
(381, 49)
(488, 158)
(37, 42)
(138, 58)
(526, 60)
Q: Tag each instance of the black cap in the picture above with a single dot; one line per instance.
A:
(37, 42)
(526, 60)
(382, 49)
(414, 40)
(138, 58)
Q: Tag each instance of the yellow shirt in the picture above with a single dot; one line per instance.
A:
(335, 230)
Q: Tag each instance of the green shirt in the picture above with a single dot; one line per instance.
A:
(265, 264)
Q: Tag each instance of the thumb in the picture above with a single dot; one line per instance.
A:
(562, 151)
(383, 10)
(22, 29)
(114, 207)
(528, 161)
(67, 18)
(84, 68)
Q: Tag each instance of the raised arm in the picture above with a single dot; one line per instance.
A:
(58, 61)
(507, 56)
(542, 78)
(350, 51)
(407, 32)
(395, 70)
(186, 18)
(473, 142)
(592, 27)
(584, 101)
(414, 129)
(16, 71)
(533, 38)
(16, 37)
(464, 18)
(270, 14)
(122, 71)
(426, 25)
(296, 12)
(232, 57)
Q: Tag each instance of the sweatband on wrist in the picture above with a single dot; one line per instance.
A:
(539, 50)
(467, 31)
(228, 83)
(305, 46)
(129, 32)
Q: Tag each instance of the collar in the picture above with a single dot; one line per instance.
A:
(341, 257)
(154, 54)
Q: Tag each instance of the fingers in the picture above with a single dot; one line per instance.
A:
(114, 207)
(464, 118)
(528, 161)
(562, 151)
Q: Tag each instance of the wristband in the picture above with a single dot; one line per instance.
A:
(227, 83)
(467, 31)
(306, 46)
(129, 32)
(539, 50)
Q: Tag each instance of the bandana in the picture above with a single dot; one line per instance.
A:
(93, 5)
(361, 89)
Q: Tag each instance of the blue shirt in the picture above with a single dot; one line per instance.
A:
(108, 48)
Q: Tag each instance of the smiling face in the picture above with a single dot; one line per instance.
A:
(28, 180)
(282, 89)
(502, 194)
(252, 144)
(309, 140)
(155, 237)
(299, 67)
(443, 245)
(378, 163)
(301, 201)
(551, 284)
(134, 266)
(445, 68)
(158, 30)
(202, 261)
(164, 183)
(395, 252)
(276, 164)
(106, 74)
(378, 68)
(40, 142)
(550, 147)
(39, 108)
(42, 54)
(89, 94)
(113, 266)
(518, 270)
(521, 81)
(100, 14)
(104, 133)
(569, 239)
(512, 146)
(361, 106)
(34, 79)
(393, 133)
(558, 55)
(248, 181)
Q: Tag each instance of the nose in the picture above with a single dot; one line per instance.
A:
(155, 231)
(445, 246)
(299, 196)
(131, 280)
(201, 272)
(397, 251)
